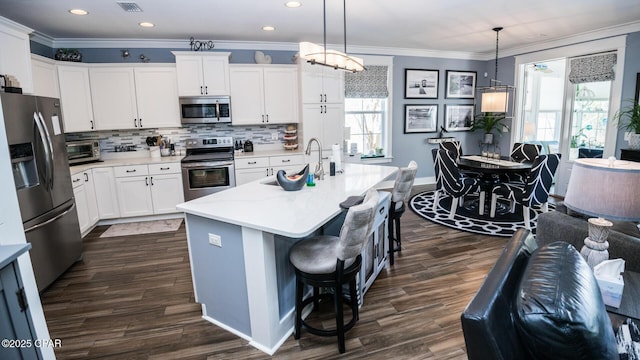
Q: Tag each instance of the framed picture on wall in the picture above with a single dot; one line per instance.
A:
(458, 117)
(461, 84)
(420, 118)
(420, 84)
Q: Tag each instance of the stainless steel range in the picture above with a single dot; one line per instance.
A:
(207, 167)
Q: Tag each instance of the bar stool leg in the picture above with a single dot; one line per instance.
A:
(298, 324)
(339, 318)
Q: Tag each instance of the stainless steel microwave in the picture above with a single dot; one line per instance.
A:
(205, 109)
(83, 151)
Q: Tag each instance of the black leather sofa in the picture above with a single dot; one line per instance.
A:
(538, 303)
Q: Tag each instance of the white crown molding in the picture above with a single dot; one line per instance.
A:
(354, 49)
(15, 26)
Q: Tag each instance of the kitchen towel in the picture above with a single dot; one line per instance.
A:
(336, 153)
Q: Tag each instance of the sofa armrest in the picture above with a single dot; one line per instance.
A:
(556, 226)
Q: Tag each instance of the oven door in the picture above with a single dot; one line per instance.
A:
(205, 178)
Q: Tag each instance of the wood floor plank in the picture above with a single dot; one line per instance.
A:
(132, 298)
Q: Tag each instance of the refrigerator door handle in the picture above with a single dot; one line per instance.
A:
(34, 227)
(51, 154)
(48, 170)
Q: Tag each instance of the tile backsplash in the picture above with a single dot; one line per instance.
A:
(259, 134)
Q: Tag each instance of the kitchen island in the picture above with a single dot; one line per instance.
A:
(239, 241)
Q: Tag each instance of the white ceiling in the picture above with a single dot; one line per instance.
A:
(438, 25)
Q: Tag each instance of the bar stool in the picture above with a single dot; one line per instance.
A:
(331, 262)
(399, 196)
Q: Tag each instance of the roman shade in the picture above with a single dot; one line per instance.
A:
(371, 83)
(593, 68)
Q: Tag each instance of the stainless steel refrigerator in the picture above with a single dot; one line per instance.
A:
(43, 183)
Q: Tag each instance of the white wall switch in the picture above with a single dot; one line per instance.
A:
(215, 240)
(274, 136)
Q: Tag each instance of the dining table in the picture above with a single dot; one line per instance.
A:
(490, 169)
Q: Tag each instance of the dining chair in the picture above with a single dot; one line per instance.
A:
(455, 147)
(399, 197)
(534, 191)
(522, 152)
(331, 262)
(450, 181)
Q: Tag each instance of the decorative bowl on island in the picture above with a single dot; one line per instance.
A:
(292, 182)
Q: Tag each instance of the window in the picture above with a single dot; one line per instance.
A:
(367, 108)
(366, 119)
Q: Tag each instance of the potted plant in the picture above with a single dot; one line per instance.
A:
(628, 119)
(488, 122)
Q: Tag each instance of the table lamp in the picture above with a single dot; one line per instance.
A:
(603, 188)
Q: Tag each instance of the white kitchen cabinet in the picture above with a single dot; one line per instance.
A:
(166, 187)
(45, 77)
(324, 122)
(320, 84)
(254, 168)
(106, 193)
(202, 74)
(134, 97)
(80, 196)
(85, 198)
(264, 94)
(15, 53)
(75, 98)
(157, 97)
(147, 190)
(113, 96)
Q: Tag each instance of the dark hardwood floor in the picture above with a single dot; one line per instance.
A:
(132, 298)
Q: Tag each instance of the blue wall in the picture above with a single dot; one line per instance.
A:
(406, 147)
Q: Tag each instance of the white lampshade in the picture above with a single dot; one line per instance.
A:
(336, 59)
(494, 102)
(605, 188)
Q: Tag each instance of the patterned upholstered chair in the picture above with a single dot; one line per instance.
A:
(455, 147)
(332, 262)
(450, 181)
(522, 152)
(534, 191)
(399, 197)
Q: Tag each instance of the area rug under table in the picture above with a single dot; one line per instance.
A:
(469, 219)
(144, 227)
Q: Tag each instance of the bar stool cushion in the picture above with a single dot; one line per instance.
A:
(317, 255)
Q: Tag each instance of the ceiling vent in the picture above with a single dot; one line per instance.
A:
(129, 6)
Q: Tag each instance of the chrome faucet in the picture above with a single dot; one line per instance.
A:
(319, 173)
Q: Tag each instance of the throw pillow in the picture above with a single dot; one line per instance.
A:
(559, 310)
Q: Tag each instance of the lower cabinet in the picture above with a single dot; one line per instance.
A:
(86, 203)
(254, 168)
(105, 193)
(148, 189)
(16, 327)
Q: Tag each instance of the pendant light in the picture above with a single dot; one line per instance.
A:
(319, 55)
(495, 97)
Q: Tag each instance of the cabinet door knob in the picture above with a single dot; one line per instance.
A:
(146, 180)
(287, 160)
(91, 122)
(135, 123)
(131, 171)
(206, 90)
(325, 97)
(201, 90)
(165, 168)
(86, 177)
(152, 181)
(140, 122)
(262, 117)
(267, 117)
(251, 162)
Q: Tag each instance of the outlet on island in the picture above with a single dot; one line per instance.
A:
(215, 240)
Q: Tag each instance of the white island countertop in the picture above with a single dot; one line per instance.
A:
(295, 214)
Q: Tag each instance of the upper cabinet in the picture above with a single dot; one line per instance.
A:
(15, 53)
(202, 73)
(127, 97)
(45, 77)
(264, 94)
(320, 84)
(75, 98)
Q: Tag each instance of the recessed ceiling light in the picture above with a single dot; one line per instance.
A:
(146, 24)
(78, 12)
(268, 28)
(293, 4)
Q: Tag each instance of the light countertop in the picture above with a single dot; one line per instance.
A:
(74, 169)
(289, 213)
(262, 153)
